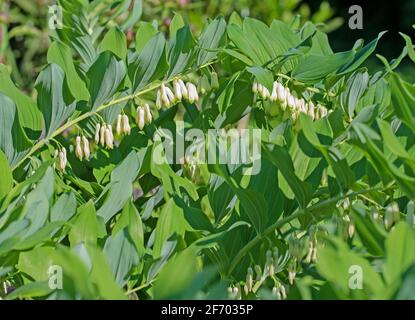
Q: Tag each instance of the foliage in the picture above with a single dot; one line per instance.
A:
(24, 25)
(82, 190)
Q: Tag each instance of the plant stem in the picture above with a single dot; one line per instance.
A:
(258, 238)
(88, 114)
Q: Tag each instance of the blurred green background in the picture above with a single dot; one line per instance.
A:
(24, 33)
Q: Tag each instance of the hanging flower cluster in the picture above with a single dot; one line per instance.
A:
(278, 291)
(312, 252)
(168, 97)
(289, 99)
(104, 135)
(123, 125)
(82, 148)
(61, 158)
(275, 263)
(235, 292)
(144, 116)
(392, 215)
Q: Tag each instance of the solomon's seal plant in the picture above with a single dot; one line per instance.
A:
(83, 191)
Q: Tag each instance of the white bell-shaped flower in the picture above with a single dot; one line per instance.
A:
(86, 150)
(78, 149)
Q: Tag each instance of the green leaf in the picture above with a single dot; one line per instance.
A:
(30, 290)
(131, 219)
(105, 77)
(281, 159)
(355, 88)
(6, 182)
(360, 56)
(121, 254)
(183, 266)
(36, 263)
(403, 98)
(334, 262)
(102, 276)
(263, 76)
(313, 68)
(36, 207)
(149, 64)
(253, 204)
(116, 42)
(61, 54)
(85, 227)
(13, 141)
(170, 222)
(50, 86)
(400, 252)
(369, 232)
(180, 52)
(121, 186)
(409, 46)
(213, 37)
(176, 23)
(29, 116)
(145, 32)
(64, 208)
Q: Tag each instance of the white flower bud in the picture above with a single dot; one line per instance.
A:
(249, 280)
(276, 293)
(62, 164)
(291, 102)
(140, 118)
(258, 272)
(87, 151)
(321, 111)
(274, 94)
(309, 253)
(177, 91)
(303, 107)
(164, 96)
(297, 103)
(109, 142)
(97, 133)
(65, 159)
(260, 88)
(265, 93)
(192, 91)
(102, 134)
(170, 95)
(282, 96)
(148, 117)
(119, 124)
(291, 277)
(282, 291)
(158, 100)
(310, 109)
(292, 272)
(392, 210)
(351, 229)
(126, 125)
(183, 88)
(78, 149)
(255, 87)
